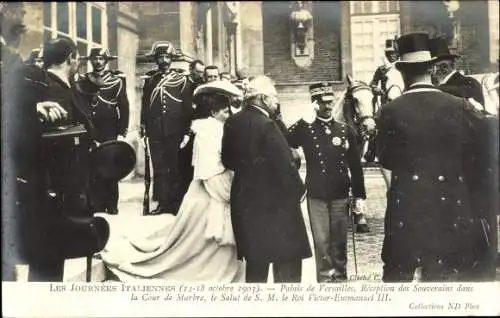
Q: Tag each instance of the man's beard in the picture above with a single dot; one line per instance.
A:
(164, 66)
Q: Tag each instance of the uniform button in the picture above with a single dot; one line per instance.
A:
(471, 220)
(400, 224)
(441, 178)
(315, 138)
(460, 178)
(459, 202)
(440, 261)
(395, 177)
(443, 199)
(397, 201)
(312, 130)
(342, 154)
(415, 177)
(93, 113)
(321, 162)
(319, 153)
(455, 225)
(323, 171)
(164, 112)
(317, 146)
(341, 161)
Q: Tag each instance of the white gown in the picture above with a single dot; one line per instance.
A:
(198, 244)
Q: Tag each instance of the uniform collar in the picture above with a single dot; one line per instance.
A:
(325, 120)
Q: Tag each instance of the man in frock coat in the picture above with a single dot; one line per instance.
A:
(484, 165)
(424, 136)
(266, 189)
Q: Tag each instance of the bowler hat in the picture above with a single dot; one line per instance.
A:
(322, 91)
(112, 160)
(94, 52)
(413, 48)
(390, 45)
(440, 50)
(162, 47)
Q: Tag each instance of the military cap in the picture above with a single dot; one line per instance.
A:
(322, 91)
(390, 45)
(162, 47)
(94, 52)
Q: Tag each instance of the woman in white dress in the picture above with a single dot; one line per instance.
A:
(198, 244)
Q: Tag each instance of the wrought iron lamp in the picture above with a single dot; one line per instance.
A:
(452, 7)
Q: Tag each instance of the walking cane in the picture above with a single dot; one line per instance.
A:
(351, 211)
(88, 269)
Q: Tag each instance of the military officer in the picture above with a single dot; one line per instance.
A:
(36, 58)
(108, 109)
(331, 155)
(380, 75)
(166, 116)
(423, 136)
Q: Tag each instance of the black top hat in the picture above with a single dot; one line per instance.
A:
(94, 52)
(322, 91)
(413, 48)
(390, 45)
(440, 50)
(162, 47)
(112, 160)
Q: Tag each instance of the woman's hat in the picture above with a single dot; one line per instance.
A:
(218, 87)
(440, 50)
(413, 48)
(112, 160)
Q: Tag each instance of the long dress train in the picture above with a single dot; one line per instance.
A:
(198, 244)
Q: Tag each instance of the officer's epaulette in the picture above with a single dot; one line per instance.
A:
(149, 74)
(119, 74)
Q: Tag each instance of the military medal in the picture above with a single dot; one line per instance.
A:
(336, 141)
(328, 131)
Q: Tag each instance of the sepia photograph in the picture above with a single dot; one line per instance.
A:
(251, 153)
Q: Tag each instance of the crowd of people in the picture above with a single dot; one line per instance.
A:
(226, 169)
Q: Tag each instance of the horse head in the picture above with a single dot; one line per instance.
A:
(358, 106)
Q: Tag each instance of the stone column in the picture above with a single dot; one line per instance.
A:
(208, 38)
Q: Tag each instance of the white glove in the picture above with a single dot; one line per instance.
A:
(309, 114)
(360, 206)
(184, 141)
(50, 111)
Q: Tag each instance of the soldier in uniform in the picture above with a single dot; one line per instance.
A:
(166, 115)
(423, 137)
(380, 75)
(36, 58)
(108, 109)
(331, 155)
(211, 73)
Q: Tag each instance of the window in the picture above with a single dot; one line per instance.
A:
(373, 7)
(84, 22)
(368, 35)
(493, 16)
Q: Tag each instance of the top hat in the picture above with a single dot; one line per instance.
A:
(112, 160)
(390, 45)
(94, 52)
(413, 48)
(322, 91)
(162, 47)
(440, 50)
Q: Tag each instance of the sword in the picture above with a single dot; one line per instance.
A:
(147, 178)
(351, 212)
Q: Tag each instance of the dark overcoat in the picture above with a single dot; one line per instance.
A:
(266, 190)
(426, 138)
